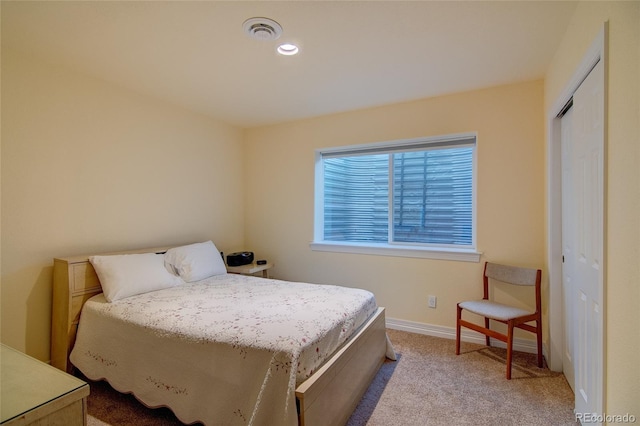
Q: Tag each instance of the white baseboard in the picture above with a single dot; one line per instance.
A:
(522, 345)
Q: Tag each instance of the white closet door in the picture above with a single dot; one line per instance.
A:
(569, 319)
(583, 248)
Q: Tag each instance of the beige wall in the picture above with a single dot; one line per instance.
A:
(87, 166)
(280, 180)
(622, 228)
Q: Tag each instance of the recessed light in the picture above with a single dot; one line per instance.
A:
(288, 49)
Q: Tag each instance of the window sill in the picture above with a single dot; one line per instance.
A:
(440, 253)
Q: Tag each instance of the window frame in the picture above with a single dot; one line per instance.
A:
(467, 253)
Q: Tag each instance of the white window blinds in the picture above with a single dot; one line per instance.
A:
(417, 192)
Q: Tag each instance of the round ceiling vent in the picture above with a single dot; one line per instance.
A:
(262, 28)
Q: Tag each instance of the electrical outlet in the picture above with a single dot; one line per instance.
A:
(432, 301)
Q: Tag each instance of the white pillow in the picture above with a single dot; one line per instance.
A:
(130, 274)
(195, 262)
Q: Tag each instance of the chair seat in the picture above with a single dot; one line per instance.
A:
(493, 310)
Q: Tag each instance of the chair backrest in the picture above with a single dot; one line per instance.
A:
(511, 274)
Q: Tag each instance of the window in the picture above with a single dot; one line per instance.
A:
(409, 198)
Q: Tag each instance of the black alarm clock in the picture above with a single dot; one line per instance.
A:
(240, 258)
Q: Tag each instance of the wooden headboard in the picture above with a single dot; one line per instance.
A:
(74, 282)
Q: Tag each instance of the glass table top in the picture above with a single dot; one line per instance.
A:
(26, 383)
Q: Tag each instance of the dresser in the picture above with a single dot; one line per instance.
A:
(35, 393)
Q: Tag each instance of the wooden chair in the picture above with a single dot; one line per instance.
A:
(511, 316)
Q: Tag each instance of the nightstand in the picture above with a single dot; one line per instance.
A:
(33, 392)
(251, 269)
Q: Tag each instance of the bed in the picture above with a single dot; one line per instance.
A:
(248, 365)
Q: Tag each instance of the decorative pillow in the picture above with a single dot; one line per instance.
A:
(130, 274)
(195, 262)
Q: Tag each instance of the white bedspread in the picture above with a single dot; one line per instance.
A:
(227, 350)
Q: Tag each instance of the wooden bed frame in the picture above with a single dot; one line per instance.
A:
(328, 397)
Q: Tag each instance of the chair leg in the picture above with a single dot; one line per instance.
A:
(509, 348)
(458, 330)
(486, 336)
(539, 336)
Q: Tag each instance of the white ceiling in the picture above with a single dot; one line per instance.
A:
(354, 54)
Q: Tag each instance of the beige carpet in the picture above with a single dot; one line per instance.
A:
(428, 385)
